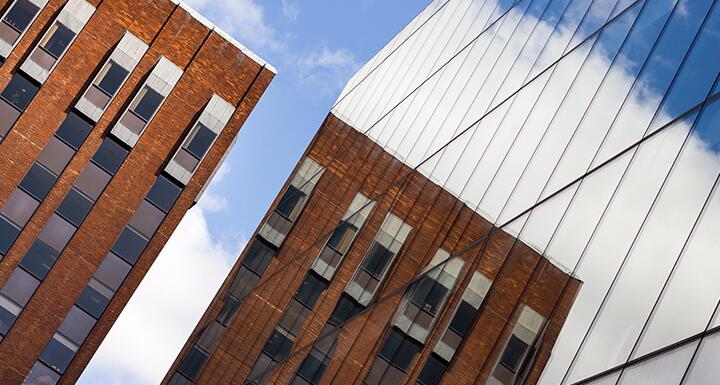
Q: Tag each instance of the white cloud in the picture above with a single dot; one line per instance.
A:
(151, 330)
(326, 70)
(291, 10)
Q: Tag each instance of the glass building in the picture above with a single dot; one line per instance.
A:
(587, 129)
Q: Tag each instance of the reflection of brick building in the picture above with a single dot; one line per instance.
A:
(491, 300)
(113, 116)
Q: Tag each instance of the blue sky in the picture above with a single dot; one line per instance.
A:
(316, 47)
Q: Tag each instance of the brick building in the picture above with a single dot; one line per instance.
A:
(114, 114)
(490, 158)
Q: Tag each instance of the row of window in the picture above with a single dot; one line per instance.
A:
(26, 82)
(109, 276)
(260, 252)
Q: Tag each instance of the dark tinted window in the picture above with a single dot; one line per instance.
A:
(200, 141)
(312, 368)
(399, 349)
(429, 294)
(41, 375)
(112, 77)
(94, 299)
(76, 325)
(8, 234)
(278, 346)
(513, 353)
(39, 259)
(377, 259)
(164, 193)
(463, 318)
(110, 156)
(58, 39)
(20, 91)
(74, 130)
(258, 257)
(21, 14)
(38, 181)
(129, 246)
(228, 310)
(148, 103)
(6, 320)
(57, 355)
(345, 309)
(75, 207)
(310, 289)
(291, 203)
(432, 371)
(192, 363)
(342, 236)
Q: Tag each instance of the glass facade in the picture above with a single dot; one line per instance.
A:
(589, 130)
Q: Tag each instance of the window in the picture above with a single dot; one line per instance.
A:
(21, 15)
(110, 156)
(112, 271)
(377, 259)
(76, 325)
(41, 375)
(164, 193)
(129, 246)
(399, 349)
(38, 181)
(345, 309)
(56, 155)
(463, 318)
(9, 311)
(291, 203)
(19, 207)
(75, 207)
(294, 316)
(429, 294)
(94, 298)
(228, 310)
(20, 91)
(92, 181)
(147, 219)
(146, 103)
(342, 237)
(513, 353)
(57, 40)
(199, 141)
(192, 363)
(20, 287)
(313, 367)
(433, 371)
(111, 77)
(58, 353)
(258, 257)
(57, 232)
(39, 259)
(278, 346)
(310, 290)
(8, 233)
(74, 130)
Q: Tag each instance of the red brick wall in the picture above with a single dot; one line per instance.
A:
(356, 164)
(213, 65)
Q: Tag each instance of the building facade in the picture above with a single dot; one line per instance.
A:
(114, 115)
(581, 135)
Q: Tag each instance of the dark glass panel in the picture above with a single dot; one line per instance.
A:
(399, 349)
(57, 39)
(513, 353)
(129, 245)
(345, 309)
(41, 375)
(164, 193)
(278, 346)
(74, 130)
(75, 207)
(21, 14)
(110, 156)
(148, 103)
(200, 141)
(429, 294)
(433, 371)
(38, 181)
(20, 91)
(8, 234)
(57, 355)
(39, 259)
(94, 299)
(463, 318)
(310, 290)
(291, 203)
(192, 363)
(228, 310)
(377, 259)
(313, 367)
(111, 77)
(258, 257)
(342, 236)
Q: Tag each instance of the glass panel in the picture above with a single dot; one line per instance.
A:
(21, 14)
(294, 317)
(9, 311)
(111, 77)
(38, 181)
(342, 237)
(345, 309)
(313, 367)
(39, 259)
(429, 294)
(77, 325)
(291, 203)
(43, 59)
(310, 290)
(179, 379)
(433, 371)
(97, 97)
(147, 219)
(377, 259)
(164, 193)
(199, 141)
(665, 369)
(133, 122)
(58, 353)
(192, 363)
(146, 103)
(110, 156)
(94, 298)
(8, 115)
(56, 155)
(92, 181)
(112, 271)
(57, 39)
(186, 160)
(20, 91)
(20, 287)
(75, 207)
(513, 353)
(57, 232)
(74, 130)
(19, 207)
(8, 233)
(41, 375)
(258, 257)
(278, 346)
(228, 310)
(129, 246)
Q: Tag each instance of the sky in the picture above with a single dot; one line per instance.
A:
(316, 47)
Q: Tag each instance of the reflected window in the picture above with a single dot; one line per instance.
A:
(110, 156)
(57, 40)
(74, 130)
(429, 295)
(40, 374)
(164, 193)
(513, 353)
(75, 207)
(346, 308)
(8, 233)
(58, 353)
(278, 346)
(129, 245)
(258, 257)
(38, 181)
(95, 298)
(19, 91)
(433, 371)
(39, 259)
(21, 15)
